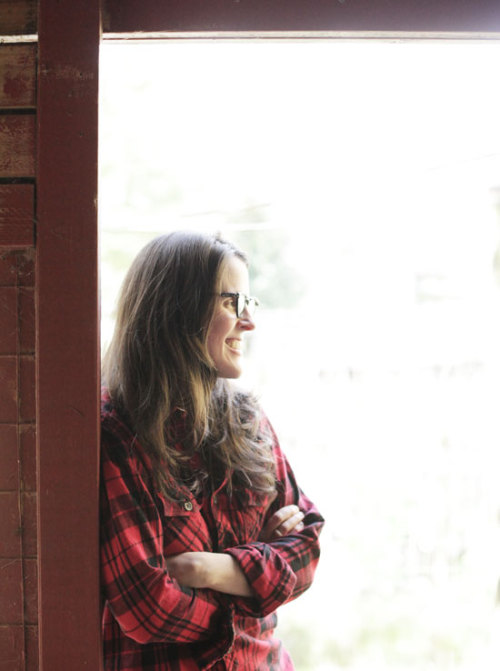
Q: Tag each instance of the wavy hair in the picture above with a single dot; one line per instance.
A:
(160, 375)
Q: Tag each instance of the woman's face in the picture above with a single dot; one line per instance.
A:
(225, 332)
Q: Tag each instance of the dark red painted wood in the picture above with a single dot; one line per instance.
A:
(17, 211)
(17, 75)
(302, 15)
(17, 145)
(18, 17)
(67, 336)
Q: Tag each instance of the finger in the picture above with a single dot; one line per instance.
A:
(281, 515)
(276, 520)
(296, 530)
(290, 524)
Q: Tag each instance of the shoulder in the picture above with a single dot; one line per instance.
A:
(113, 423)
(267, 429)
(269, 434)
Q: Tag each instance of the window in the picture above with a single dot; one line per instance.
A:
(364, 180)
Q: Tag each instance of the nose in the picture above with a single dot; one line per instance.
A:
(246, 322)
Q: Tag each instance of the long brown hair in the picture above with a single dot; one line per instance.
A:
(157, 368)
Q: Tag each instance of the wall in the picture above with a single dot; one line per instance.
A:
(49, 352)
(18, 528)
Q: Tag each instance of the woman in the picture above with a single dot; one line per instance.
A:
(204, 529)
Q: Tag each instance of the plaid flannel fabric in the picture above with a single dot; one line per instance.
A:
(150, 622)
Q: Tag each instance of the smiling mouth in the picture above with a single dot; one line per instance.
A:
(234, 343)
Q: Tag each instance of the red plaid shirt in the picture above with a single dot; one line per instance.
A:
(150, 622)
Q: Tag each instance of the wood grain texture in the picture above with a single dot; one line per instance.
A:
(17, 145)
(12, 646)
(18, 17)
(8, 321)
(67, 322)
(9, 455)
(17, 215)
(17, 75)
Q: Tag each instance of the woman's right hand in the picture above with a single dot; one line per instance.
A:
(281, 523)
(212, 570)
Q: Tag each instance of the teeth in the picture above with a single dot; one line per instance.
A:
(235, 344)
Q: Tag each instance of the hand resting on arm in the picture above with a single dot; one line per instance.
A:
(221, 572)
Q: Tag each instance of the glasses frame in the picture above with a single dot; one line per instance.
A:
(242, 302)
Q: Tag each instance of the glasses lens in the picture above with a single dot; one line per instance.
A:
(251, 306)
(241, 305)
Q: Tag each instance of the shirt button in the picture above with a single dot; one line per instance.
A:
(188, 505)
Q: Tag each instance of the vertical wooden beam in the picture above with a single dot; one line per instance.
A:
(67, 335)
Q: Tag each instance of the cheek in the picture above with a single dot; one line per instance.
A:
(211, 340)
(217, 334)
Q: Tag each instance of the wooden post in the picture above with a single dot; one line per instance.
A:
(68, 335)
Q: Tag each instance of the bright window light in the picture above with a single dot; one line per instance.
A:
(363, 179)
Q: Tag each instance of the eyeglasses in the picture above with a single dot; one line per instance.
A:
(242, 302)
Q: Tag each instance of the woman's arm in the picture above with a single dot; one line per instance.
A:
(220, 571)
(277, 567)
(213, 570)
(282, 568)
(148, 602)
(271, 572)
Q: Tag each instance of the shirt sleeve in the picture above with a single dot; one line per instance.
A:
(147, 603)
(283, 569)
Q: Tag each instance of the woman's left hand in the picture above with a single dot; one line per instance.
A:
(220, 571)
(281, 523)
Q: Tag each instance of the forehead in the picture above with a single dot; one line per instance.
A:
(234, 276)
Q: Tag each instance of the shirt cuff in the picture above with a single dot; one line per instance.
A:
(268, 574)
